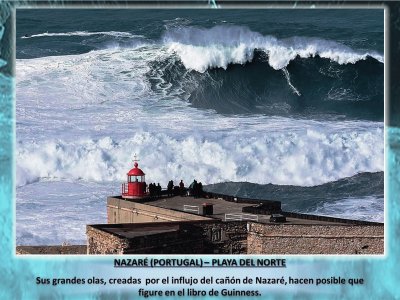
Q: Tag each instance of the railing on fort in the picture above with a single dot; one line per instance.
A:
(241, 217)
(327, 219)
(191, 209)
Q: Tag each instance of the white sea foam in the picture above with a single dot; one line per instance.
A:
(50, 213)
(366, 209)
(82, 33)
(75, 81)
(302, 157)
(200, 49)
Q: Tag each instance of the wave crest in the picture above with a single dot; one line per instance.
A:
(201, 49)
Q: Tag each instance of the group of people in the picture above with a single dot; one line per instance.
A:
(195, 189)
(170, 188)
(175, 190)
(154, 190)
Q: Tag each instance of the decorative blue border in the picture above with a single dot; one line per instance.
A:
(18, 274)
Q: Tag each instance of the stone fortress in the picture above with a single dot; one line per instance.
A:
(172, 222)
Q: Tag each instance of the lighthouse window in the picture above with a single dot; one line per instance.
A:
(135, 179)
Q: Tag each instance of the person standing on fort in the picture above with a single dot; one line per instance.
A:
(200, 189)
(182, 188)
(158, 189)
(170, 187)
(195, 188)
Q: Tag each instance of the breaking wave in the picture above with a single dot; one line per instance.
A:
(234, 70)
(313, 87)
(200, 49)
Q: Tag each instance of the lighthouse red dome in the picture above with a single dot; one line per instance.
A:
(136, 171)
(135, 187)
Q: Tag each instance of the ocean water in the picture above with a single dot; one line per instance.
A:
(269, 104)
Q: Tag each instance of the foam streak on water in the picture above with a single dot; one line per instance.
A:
(287, 75)
(80, 33)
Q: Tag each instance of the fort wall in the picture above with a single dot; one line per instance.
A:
(101, 242)
(196, 237)
(314, 239)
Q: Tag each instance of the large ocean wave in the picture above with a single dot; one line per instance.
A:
(308, 87)
(232, 69)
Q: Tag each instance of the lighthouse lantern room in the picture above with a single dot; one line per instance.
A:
(136, 185)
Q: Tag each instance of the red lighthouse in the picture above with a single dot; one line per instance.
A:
(136, 185)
